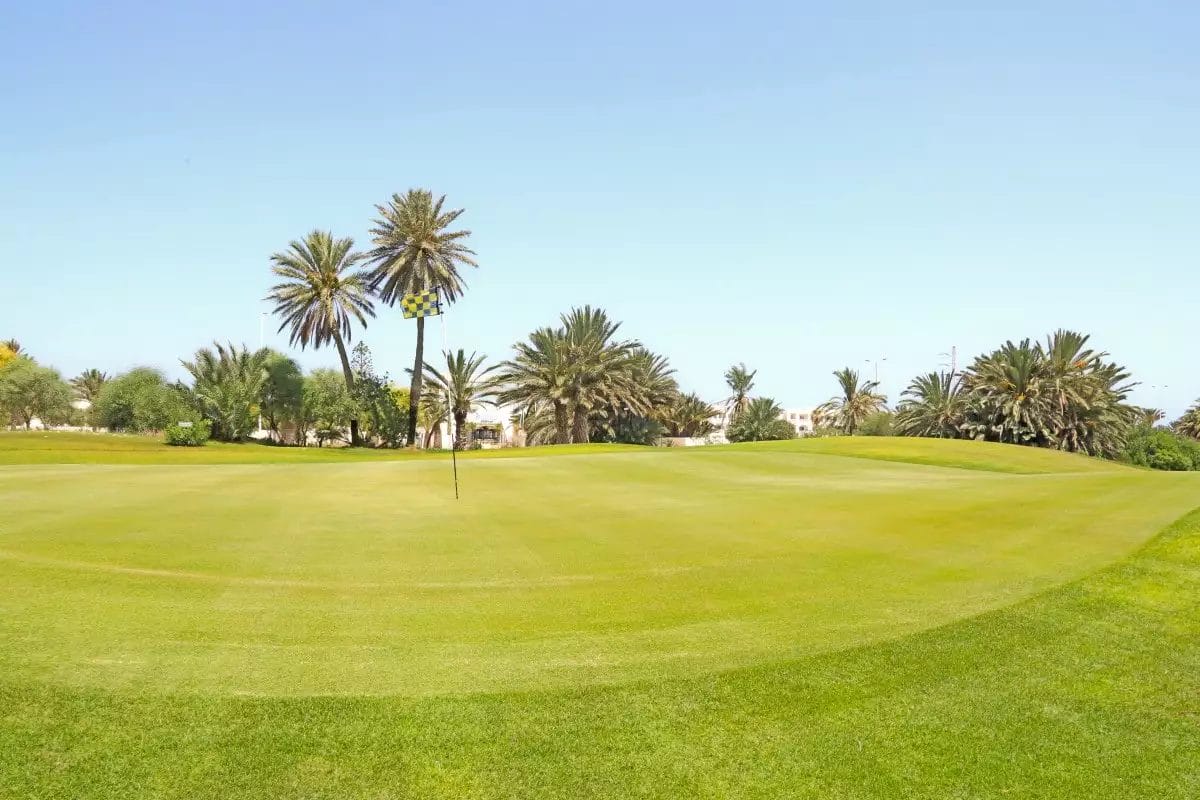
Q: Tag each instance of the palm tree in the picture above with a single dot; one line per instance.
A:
(689, 415)
(1150, 416)
(414, 252)
(1059, 394)
(601, 369)
(1189, 423)
(228, 384)
(637, 414)
(934, 405)
(537, 379)
(320, 294)
(433, 413)
(857, 401)
(87, 384)
(1097, 421)
(464, 384)
(1009, 402)
(13, 345)
(740, 382)
(579, 380)
(760, 421)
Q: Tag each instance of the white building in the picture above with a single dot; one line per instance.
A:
(799, 418)
(493, 427)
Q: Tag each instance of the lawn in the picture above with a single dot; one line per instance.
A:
(828, 618)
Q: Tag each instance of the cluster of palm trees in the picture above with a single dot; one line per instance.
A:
(576, 382)
(752, 419)
(325, 285)
(579, 382)
(1059, 394)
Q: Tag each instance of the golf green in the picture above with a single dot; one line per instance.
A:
(140, 577)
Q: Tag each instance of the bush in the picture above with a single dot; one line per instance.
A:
(29, 391)
(879, 423)
(183, 435)
(328, 406)
(140, 400)
(1159, 448)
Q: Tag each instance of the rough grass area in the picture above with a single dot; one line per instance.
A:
(770, 621)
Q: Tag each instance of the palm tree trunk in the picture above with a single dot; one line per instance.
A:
(460, 421)
(562, 425)
(579, 427)
(414, 389)
(355, 441)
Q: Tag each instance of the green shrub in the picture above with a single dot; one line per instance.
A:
(30, 391)
(183, 435)
(880, 423)
(140, 400)
(1159, 448)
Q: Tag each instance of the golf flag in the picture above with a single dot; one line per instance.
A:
(421, 304)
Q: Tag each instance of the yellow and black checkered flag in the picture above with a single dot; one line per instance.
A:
(421, 304)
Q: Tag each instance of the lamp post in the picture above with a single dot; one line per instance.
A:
(262, 320)
(875, 363)
(953, 356)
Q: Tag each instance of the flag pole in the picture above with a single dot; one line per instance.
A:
(454, 456)
(449, 408)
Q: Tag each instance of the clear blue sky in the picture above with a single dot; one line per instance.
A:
(799, 186)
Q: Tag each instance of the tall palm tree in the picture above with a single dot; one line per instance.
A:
(537, 379)
(321, 292)
(465, 384)
(857, 401)
(934, 405)
(416, 251)
(740, 382)
(87, 384)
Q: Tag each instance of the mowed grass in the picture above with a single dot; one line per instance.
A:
(822, 618)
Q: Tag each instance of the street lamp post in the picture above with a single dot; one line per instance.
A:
(953, 356)
(262, 321)
(875, 363)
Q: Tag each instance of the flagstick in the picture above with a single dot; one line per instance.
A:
(450, 411)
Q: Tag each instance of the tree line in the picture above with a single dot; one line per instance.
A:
(575, 381)
(1060, 394)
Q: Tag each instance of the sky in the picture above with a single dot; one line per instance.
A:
(797, 186)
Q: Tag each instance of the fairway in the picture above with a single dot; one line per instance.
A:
(168, 585)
